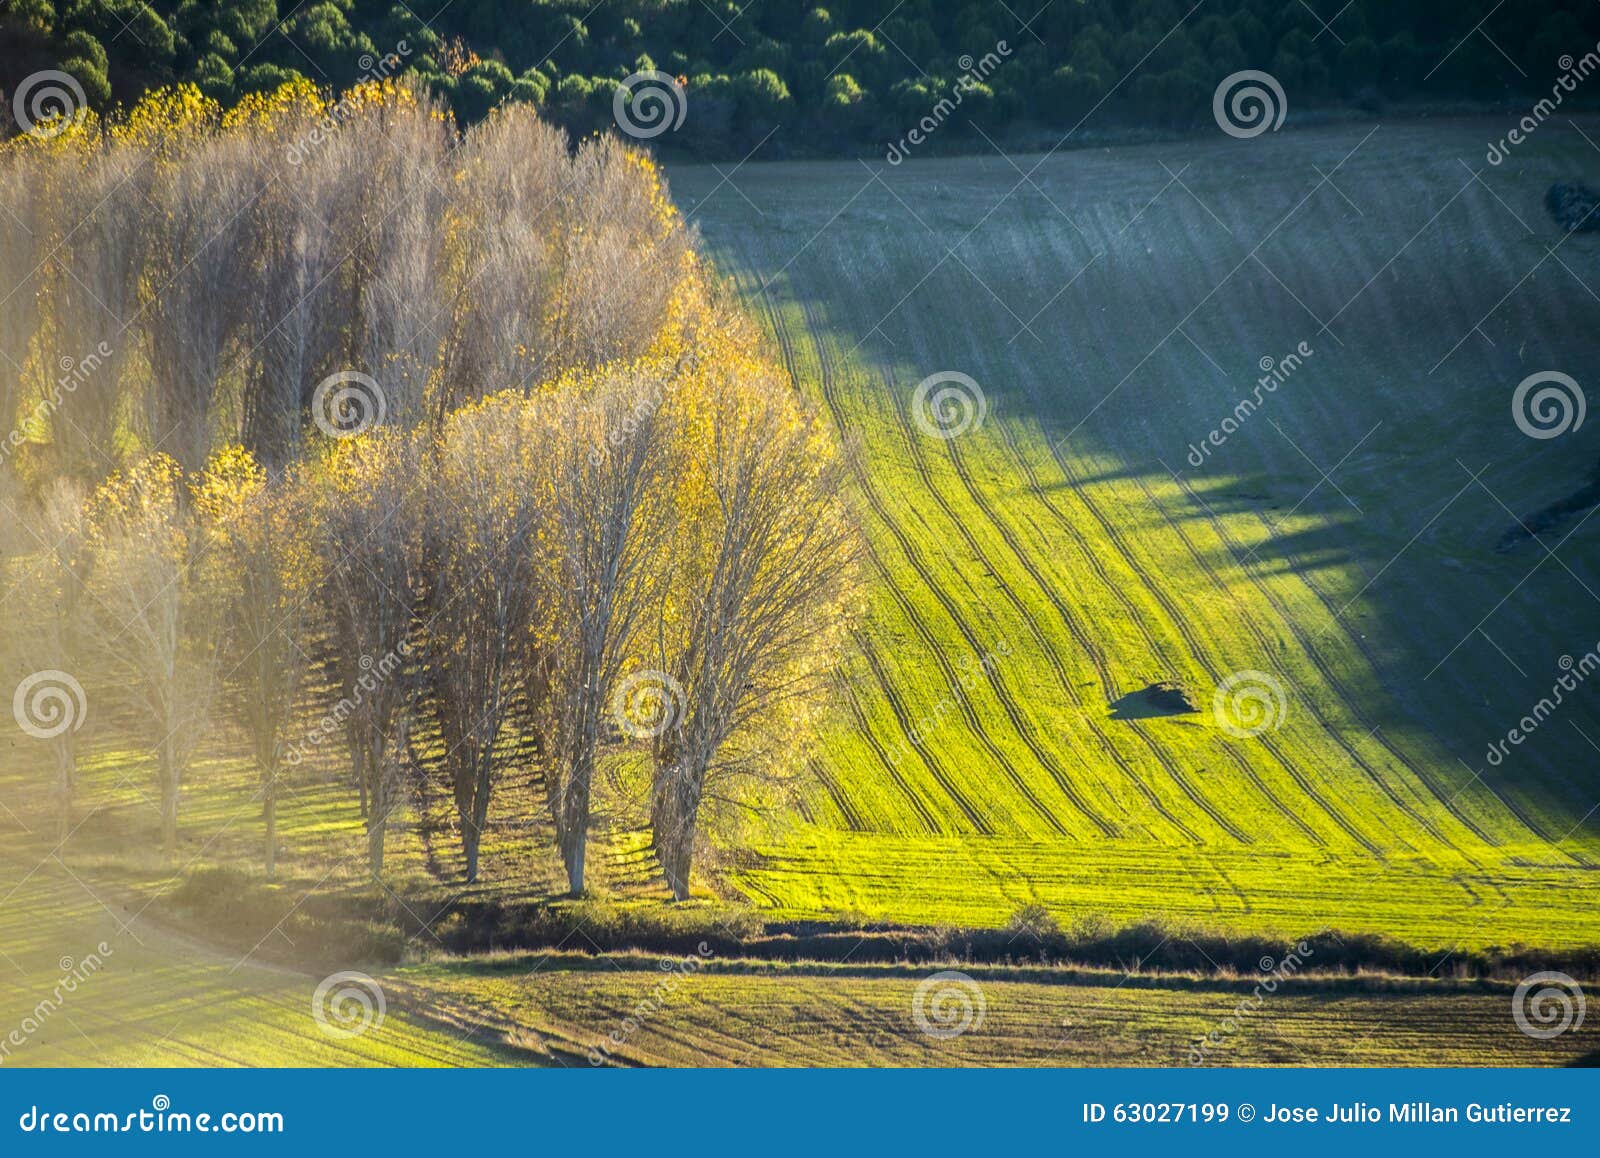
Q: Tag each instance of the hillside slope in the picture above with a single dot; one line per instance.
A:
(1113, 308)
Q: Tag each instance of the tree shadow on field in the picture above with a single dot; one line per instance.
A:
(1378, 477)
(1420, 645)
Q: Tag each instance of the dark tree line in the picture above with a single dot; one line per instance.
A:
(841, 76)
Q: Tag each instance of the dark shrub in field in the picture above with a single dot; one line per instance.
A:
(1575, 206)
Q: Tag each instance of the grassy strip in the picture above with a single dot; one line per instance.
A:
(246, 911)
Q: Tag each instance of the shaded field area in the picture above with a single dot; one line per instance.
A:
(1336, 544)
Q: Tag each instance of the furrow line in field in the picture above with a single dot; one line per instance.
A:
(1354, 638)
(979, 821)
(1266, 649)
(1114, 535)
(847, 811)
(995, 683)
(1136, 617)
(902, 717)
(1075, 630)
(914, 558)
(779, 329)
(1350, 701)
(790, 358)
(1013, 710)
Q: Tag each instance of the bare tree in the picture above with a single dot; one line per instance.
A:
(624, 254)
(197, 291)
(150, 616)
(564, 261)
(299, 314)
(487, 571)
(96, 221)
(261, 559)
(764, 565)
(546, 514)
(609, 522)
(20, 253)
(396, 218)
(367, 532)
(500, 261)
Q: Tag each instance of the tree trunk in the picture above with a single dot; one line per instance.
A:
(660, 814)
(168, 769)
(664, 823)
(270, 814)
(466, 816)
(375, 844)
(685, 820)
(663, 772)
(65, 761)
(573, 855)
(473, 824)
(676, 864)
(575, 823)
(358, 766)
(674, 813)
(378, 813)
(471, 835)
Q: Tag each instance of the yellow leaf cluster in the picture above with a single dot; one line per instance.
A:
(295, 101)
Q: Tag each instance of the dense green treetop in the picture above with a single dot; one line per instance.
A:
(851, 76)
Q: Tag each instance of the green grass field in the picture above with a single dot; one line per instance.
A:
(159, 999)
(1113, 306)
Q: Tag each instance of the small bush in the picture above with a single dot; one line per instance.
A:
(1033, 921)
